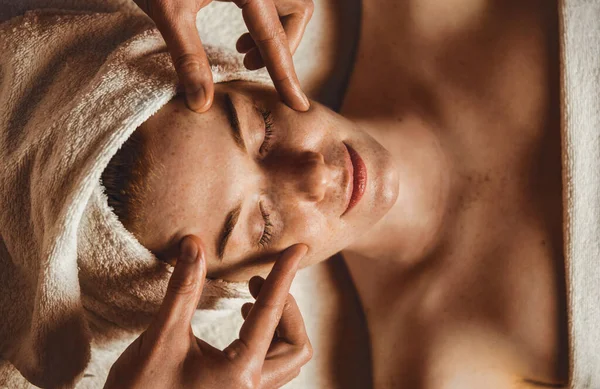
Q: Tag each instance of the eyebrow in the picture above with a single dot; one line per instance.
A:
(234, 123)
(228, 226)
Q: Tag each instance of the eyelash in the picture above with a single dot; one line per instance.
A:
(268, 119)
(265, 239)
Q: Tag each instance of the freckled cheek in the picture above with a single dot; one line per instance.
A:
(316, 231)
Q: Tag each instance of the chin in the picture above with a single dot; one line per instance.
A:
(384, 186)
(390, 187)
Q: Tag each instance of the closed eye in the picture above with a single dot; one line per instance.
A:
(268, 139)
(267, 234)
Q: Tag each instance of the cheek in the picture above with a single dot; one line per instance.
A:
(323, 236)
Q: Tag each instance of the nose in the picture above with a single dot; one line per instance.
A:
(310, 176)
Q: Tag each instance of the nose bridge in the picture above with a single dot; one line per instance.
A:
(305, 175)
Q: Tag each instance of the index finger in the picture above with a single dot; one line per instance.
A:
(258, 329)
(263, 23)
(184, 289)
(179, 31)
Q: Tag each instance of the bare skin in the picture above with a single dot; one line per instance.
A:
(469, 287)
(462, 280)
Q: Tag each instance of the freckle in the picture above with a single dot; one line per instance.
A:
(543, 242)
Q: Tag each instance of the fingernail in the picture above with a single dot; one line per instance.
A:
(302, 101)
(197, 99)
(302, 249)
(306, 101)
(189, 250)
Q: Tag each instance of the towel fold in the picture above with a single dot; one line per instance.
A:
(74, 86)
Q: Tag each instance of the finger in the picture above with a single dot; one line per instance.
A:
(295, 16)
(291, 351)
(245, 43)
(263, 23)
(253, 60)
(291, 327)
(186, 49)
(294, 29)
(184, 289)
(284, 364)
(258, 329)
(246, 309)
(255, 284)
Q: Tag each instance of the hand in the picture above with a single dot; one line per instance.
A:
(168, 355)
(275, 29)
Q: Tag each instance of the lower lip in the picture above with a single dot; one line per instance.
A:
(359, 182)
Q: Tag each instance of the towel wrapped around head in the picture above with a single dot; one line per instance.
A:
(74, 87)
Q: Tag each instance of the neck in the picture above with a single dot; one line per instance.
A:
(413, 226)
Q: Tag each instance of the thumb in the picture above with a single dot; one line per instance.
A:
(185, 287)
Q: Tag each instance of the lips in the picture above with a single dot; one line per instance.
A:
(358, 179)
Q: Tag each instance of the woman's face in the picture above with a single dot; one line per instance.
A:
(252, 177)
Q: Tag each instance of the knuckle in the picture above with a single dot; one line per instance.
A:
(290, 301)
(306, 352)
(274, 35)
(288, 307)
(183, 285)
(236, 349)
(266, 305)
(188, 64)
(309, 7)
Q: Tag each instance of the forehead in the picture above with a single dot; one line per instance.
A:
(199, 172)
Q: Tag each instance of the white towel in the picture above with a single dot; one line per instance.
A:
(580, 20)
(74, 86)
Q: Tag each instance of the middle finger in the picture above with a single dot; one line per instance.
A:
(258, 329)
(263, 22)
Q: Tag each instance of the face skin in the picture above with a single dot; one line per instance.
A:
(288, 167)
